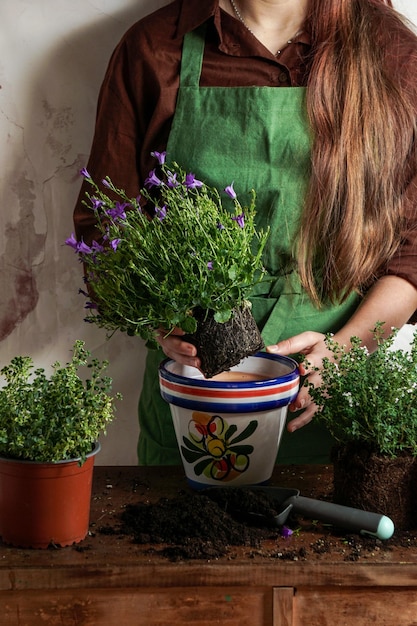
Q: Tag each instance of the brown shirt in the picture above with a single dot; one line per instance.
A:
(138, 96)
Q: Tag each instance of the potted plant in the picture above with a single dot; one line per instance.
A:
(368, 403)
(175, 256)
(49, 428)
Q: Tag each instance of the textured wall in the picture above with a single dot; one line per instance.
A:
(53, 54)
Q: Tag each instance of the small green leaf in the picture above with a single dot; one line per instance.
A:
(222, 316)
(189, 325)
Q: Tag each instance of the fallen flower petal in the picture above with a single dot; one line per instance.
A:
(286, 532)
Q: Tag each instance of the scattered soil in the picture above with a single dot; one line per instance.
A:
(365, 480)
(221, 346)
(215, 523)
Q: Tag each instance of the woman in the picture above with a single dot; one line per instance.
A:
(313, 104)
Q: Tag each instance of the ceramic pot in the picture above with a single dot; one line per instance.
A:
(45, 503)
(229, 427)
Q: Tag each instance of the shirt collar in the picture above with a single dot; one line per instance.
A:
(193, 13)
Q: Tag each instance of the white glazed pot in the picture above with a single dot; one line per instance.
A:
(228, 431)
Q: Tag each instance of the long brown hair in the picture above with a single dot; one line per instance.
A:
(364, 127)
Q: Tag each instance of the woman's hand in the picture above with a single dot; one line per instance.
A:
(177, 349)
(391, 300)
(313, 347)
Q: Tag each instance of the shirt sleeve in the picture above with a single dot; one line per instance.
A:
(115, 143)
(404, 261)
(403, 58)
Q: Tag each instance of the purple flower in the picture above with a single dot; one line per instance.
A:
(191, 181)
(161, 156)
(172, 182)
(97, 247)
(106, 183)
(115, 243)
(230, 191)
(82, 248)
(240, 219)
(85, 173)
(118, 212)
(220, 226)
(286, 532)
(210, 265)
(153, 180)
(161, 212)
(90, 305)
(96, 203)
(72, 242)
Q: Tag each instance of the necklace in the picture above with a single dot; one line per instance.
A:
(241, 19)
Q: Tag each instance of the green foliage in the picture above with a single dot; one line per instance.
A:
(57, 418)
(183, 251)
(370, 398)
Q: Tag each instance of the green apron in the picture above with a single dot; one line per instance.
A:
(257, 137)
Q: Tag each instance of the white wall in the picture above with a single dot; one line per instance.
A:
(53, 54)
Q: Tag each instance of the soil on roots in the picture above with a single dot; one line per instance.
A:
(366, 480)
(222, 346)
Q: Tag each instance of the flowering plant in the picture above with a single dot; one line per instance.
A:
(171, 251)
(370, 398)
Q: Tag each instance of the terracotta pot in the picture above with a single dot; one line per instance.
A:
(229, 427)
(45, 503)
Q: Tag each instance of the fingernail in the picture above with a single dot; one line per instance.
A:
(272, 348)
(297, 406)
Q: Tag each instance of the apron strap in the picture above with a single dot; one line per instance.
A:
(192, 57)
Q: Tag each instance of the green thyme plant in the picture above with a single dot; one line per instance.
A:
(370, 398)
(56, 418)
(173, 249)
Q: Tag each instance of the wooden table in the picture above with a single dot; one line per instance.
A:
(109, 581)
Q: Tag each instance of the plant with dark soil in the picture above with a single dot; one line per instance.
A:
(368, 403)
(175, 250)
(370, 398)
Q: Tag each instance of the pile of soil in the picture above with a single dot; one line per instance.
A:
(215, 523)
(221, 346)
(201, 525)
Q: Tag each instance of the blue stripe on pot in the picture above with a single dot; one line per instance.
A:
(228, 431)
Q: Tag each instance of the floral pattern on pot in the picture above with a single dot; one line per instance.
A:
(214, 447)
(229, 430)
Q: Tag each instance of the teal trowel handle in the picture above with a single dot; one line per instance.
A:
(365, 522)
